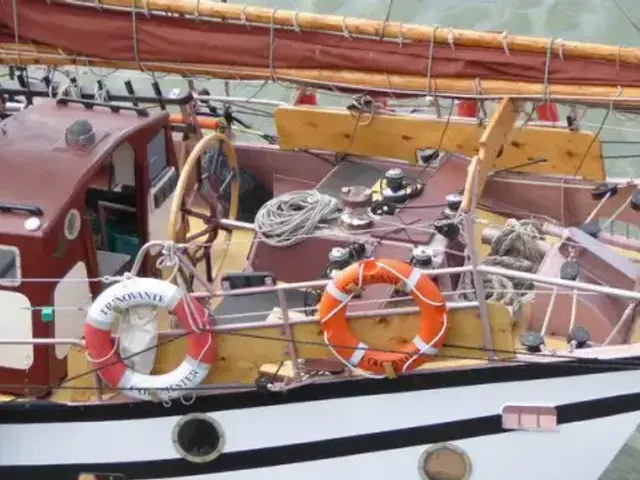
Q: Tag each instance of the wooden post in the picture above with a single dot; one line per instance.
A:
(491, 146)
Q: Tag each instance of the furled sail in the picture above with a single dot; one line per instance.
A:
(307, 48)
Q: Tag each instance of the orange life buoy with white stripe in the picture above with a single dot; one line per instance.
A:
(136, 292)
(332, 311)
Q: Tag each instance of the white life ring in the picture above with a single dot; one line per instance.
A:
(136, 292)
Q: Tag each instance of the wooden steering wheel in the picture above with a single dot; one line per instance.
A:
(202, 201)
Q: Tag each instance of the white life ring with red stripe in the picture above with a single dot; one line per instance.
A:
(149, 292)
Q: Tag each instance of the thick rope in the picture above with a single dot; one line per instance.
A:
(290, 218)
(514, 248)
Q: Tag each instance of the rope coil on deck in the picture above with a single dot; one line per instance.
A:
(288, 219)
(515, 248)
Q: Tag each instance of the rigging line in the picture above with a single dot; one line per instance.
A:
(593, 363)
(582, 360)
(524, 124)
(106, 279)
(515, 167)
(352, 302)
(98, 369)
(626, 15)
(440, 142)
(386, 19)
(597, 134)
(578, 100)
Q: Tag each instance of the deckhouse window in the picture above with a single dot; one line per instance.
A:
(157, 155)
(9, 266)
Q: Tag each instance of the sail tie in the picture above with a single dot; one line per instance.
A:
(296, 25)
(345, 29)
(505, 45)
(386, 19)
(430, 59)
(547, 68)
(272, 41)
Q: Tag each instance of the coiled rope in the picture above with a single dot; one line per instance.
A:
(288, 219)
(514, 248)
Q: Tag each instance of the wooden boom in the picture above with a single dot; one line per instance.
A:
(21, 54)
(375, 28)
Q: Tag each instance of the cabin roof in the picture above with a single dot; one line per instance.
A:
(37, 168)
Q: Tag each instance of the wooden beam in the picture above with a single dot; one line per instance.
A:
(500, 125)
(401, 136)
(491, 147)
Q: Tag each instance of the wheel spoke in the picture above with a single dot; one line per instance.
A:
(202, 201)
(196, 214)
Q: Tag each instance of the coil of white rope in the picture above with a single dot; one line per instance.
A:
(288, 219)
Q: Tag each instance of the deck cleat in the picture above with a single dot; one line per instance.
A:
(570, 270)
(447, 228)
(532, 341)
(591, 228)
(601, 190)
(580, 336)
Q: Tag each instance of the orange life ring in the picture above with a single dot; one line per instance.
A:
(332, 311)
(104, 355)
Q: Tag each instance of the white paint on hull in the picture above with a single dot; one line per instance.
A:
(263, 427)
(576, 451)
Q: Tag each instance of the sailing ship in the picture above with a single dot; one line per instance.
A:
(179, 304)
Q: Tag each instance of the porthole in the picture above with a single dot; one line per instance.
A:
(198, 438)
(444, 462)
(72, 224)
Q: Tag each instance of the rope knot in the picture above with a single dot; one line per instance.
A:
(168, 256)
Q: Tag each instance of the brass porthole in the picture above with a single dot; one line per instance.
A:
(197, 437)
(444, 461)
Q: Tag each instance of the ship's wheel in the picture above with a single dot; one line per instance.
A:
(203, 197)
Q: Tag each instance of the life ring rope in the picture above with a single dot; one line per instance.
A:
(409, 286)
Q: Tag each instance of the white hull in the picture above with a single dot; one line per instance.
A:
(578, 451)
(578, 448)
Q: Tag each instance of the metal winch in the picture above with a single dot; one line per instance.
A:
(396, 188)
(356, 201)
(342, 257)
(339, 257)
(422, 257)
(453, 202)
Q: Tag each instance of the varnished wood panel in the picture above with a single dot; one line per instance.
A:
(241, 354)
(399, 137)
